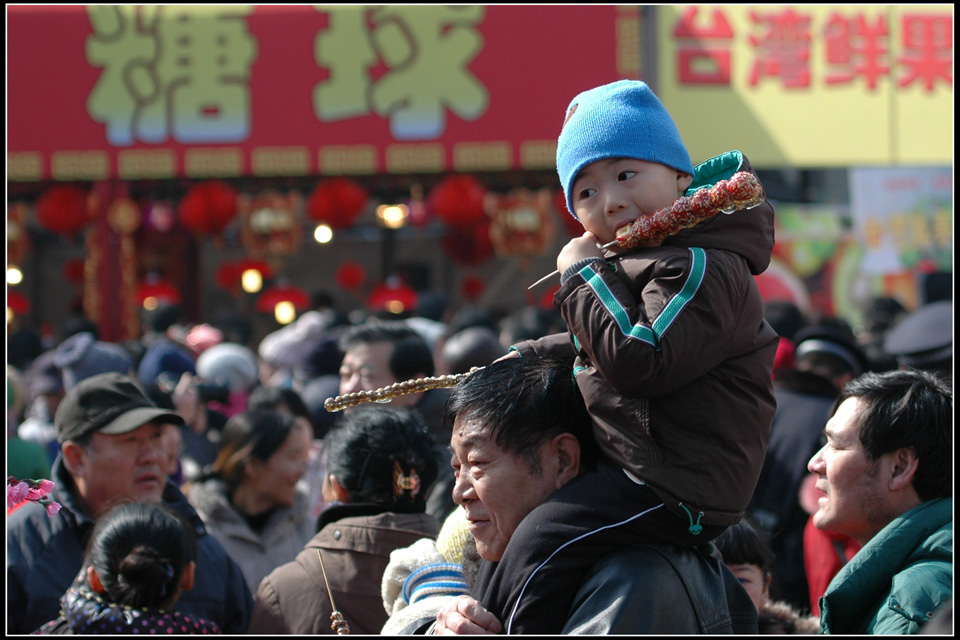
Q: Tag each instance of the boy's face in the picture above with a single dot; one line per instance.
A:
(612, 192)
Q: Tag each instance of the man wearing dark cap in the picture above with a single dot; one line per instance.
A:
(110, 436)
(924, 338)
(826, 357)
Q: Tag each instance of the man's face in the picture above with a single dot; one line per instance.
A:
(612, 192)
(366, 367)
(853, 502)
(496, 489)
(119, 468)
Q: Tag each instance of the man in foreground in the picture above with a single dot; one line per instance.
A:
(520, 432)
(885, 471)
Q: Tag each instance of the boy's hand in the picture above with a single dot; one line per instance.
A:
(585, 246)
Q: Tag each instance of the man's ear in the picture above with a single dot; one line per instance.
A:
(566, 447)
(683, 181)
(94, 580)
(73, 457)
(904, 464)
(341, 493)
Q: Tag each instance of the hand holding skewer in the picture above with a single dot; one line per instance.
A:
(741, 191)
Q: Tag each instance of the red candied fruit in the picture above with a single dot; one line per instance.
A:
(743, 187)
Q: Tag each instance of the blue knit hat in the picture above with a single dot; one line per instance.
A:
(623, 119)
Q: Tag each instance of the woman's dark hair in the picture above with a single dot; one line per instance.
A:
(745, 543)
(383, 456)
(272, 398)
(251, 434)
(140, 551)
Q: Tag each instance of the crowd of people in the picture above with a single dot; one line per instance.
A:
(663, 452)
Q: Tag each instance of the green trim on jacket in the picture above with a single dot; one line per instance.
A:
(899, 579)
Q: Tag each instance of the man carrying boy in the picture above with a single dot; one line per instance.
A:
(673, 358)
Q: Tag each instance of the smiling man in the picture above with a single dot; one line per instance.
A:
(521, 433)
(885, 472)
(112, 452)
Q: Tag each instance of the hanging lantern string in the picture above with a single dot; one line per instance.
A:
(388, 393)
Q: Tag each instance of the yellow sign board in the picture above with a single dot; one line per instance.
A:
(810, 86)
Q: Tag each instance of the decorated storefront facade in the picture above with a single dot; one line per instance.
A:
(379, 152)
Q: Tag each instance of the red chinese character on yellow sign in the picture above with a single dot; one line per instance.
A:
(703, 55)
(782, 49)
(928, 50)
(855, 47)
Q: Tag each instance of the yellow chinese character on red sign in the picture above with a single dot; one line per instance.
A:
(172, 71)
(404, 63)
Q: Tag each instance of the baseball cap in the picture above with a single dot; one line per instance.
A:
(110, 403)
(833, 340)
(924, 337)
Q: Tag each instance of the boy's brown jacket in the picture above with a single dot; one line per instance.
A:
(674, 358)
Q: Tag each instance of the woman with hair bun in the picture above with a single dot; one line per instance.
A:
(139, 559)
(380, 467)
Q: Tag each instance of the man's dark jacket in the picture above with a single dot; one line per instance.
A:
(45, 553)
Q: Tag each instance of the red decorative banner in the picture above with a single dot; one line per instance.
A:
(217, 91)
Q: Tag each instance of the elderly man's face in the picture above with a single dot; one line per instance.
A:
(496, 489)
(853, 503)
(118, 468)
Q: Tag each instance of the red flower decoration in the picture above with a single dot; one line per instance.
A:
(336, 201)
(208, 207)
(458, 201)
(63, 209)
(350, 275)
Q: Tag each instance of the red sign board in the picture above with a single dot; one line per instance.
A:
(100, 91)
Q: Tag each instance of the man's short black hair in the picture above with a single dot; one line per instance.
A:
(524, 402)
(411, 353)
(908, 408)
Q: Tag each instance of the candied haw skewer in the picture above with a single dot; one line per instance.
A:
(741, 191)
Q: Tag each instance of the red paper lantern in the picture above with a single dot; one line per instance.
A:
(63, 209)
(17, 303)
(472, 287)
(469, 246)
(395, 297)
(458, 201)
(270, 298)
(158, 290)
(337, 202)
(350, 276)
(208, 207)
